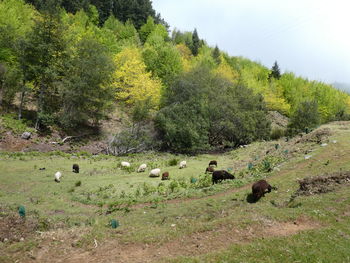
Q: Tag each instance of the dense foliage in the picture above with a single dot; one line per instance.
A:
(204, 109)
(70, 62)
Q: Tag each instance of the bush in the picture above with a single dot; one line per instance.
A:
(306, 116)
(197, 117)
(277, 133)
(173, 162)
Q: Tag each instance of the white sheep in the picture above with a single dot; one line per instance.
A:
(183, 164)
(125, 164)
(155, 173)
(58, 176)
(142, 168)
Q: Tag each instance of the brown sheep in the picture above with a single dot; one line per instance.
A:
(165, 176)
(259, 189)
(213, 162)
(209, 169)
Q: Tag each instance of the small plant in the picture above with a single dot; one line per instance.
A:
(204, 181)
(138, 192)
(173, 185)
(122, 194)
(148, 189)
(78, 183)
(173, 162)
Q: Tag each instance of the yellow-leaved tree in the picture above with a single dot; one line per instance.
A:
(133, 83)
(225, 71)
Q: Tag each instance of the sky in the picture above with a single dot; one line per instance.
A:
(308, 37)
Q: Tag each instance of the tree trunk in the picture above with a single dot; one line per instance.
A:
(23, 93)
(40, 106)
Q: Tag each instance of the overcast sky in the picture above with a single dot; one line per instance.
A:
(309, 37)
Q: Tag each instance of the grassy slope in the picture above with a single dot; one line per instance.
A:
(219, 228)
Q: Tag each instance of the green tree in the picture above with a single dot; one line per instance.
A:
(42, 61)
(147, 29)
(161, 57)
(305, 116)
(216, 55)
(195, 43)
(275, 71)
(193, 120)
(87, 93)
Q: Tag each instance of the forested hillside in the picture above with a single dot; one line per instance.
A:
(67, 64)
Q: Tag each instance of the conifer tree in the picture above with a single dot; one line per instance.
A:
(195, 43)
(275, 71)
(216, 55)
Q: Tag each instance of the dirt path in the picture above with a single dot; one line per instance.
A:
(193, 245)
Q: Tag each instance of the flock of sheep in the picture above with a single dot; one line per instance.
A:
(258, 189)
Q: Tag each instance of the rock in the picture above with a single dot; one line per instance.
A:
(324, 144)
(26, 135)
(307, 157)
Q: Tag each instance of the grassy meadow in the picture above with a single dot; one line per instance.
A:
(184, 219)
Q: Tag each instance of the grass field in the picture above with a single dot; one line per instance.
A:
(184, 219)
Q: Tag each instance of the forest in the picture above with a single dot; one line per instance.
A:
(68, 64)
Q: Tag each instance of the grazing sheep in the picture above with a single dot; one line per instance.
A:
(221, 175)
(209, 169)
(142, 168)
(183, 164)
(165, 176)
(75, 168)
(58, 176)
(259, 189)
(125, 164)
(213, 162)
(154, 173)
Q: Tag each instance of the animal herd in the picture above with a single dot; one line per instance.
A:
(259, 188)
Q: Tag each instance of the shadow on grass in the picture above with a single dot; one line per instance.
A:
(251, 199)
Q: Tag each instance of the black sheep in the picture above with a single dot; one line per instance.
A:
(75, 168)
(213, 162)
(220, 175)
(259, 189)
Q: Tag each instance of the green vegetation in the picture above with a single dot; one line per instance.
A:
(50, 75)
(198, 117)
(152, 214)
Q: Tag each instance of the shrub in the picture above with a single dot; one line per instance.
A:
(194, 121)
(173, 162)
(277, 133)
(305, 116)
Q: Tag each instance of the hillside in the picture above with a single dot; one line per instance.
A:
(68, 69)
(184, 219)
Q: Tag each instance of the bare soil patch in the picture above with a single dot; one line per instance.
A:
(323, 184)
(14, 228)
(192, 245)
